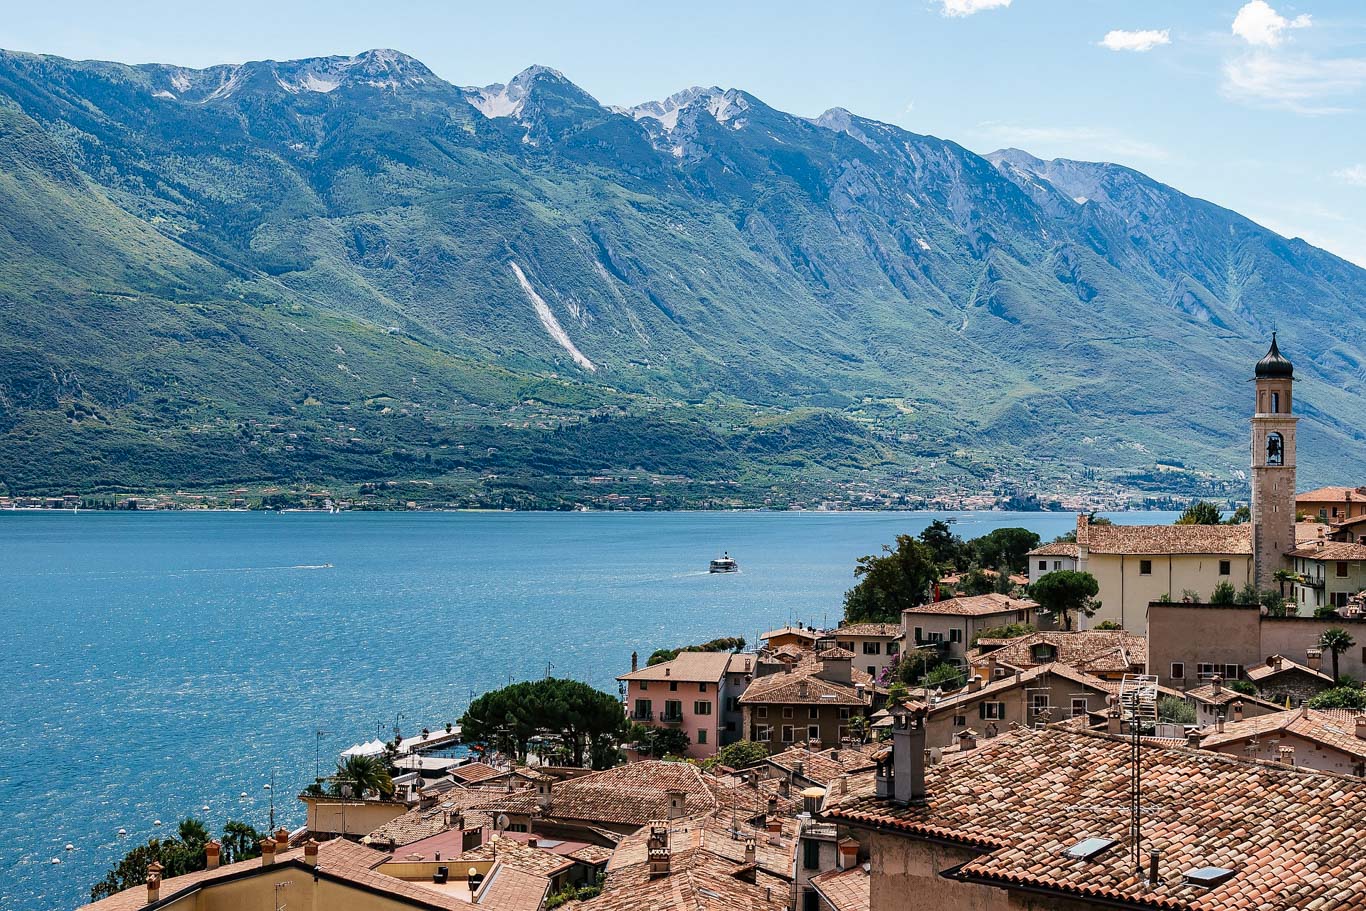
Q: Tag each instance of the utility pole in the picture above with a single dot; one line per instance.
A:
(271, 788)
(548, 668)
(317, 755)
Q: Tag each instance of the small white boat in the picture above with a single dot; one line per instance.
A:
(724, 564)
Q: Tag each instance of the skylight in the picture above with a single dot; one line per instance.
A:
(1209, 877)
(1088, 848)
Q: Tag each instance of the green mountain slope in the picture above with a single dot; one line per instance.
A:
(515, 288)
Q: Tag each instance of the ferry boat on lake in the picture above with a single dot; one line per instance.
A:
(724, 564)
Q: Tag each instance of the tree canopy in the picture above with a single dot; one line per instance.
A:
(1065, 593)
(1005, 549)
(892, 581)
(1337, 640)
(1340, 697)
(741, 754)
(178, 855)
(1201, 512)
(724, 644)
(577, 714)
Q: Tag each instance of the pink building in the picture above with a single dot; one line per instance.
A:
(685, 693)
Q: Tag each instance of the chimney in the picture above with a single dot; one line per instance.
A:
(974, 683)
(967, 740)
(1361, 727)
(154, 881)
(1219, 723)
(1154, 866)
(1276, 662)
(531, 841)
(835, 754)
(213, 852)
(784, 787)
(798, 768)
(908, 756)
(1237, 710)
(281, 838)
(1113, 725)
(803, 688)
(751, 850)
(311, 853)
(1193, 738)
(991, 667)
(1217, 684)
(544, 785)
(773, 805)
(774, 825)
(635, 661)
(678, 801)
(847, 854)
(657, 850)
(811, 801)
(1314, 657)
(1287, 755)
(267, 852)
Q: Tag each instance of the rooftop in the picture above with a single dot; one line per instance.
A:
(889, 630)
(1335, 728)
(974, 606)
(803, 686)
(845, 890)
(1094, 651)
(691, 667)
(993, 688)
(1330, 550)
(1278, 664)
(631, 794)
(791, 631)
(824, 766)
(1022, 798)
(1332, 493)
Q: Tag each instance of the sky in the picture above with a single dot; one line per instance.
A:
(1253, 104)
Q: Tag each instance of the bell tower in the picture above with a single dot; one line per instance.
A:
(1273, 467)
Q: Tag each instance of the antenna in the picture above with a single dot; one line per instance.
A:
(317, 752)
(1137, 706)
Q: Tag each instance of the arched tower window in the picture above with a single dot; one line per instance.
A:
(1275, 448)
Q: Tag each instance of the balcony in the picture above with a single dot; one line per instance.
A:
(671, 717)
(639, 715)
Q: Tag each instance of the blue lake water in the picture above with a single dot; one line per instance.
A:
(158, 663)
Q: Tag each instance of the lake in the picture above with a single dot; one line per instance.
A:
(159, 663)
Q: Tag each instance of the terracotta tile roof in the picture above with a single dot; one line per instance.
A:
(1331, 493)
(1020, 799)
(741, 663)
(800, 687)
(835, 653)
(1330, 550)
(1056, 549)
(824, 766)
(890, 630)
(792, 631)
(706, 873)
(1226, 696)
(974, 606)
(994, 688)
(475, 772)
(510, 889)
(1268, 671)
(595, 855)
(1312, 531)
(1162, 540)
(694, 667)
(519, 856)
(1335, 728)
(419, 823)
(1093, 651)
(341, 859)
(845, 890)
(632, 794)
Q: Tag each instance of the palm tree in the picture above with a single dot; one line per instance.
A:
(365, 773)
(1337, 640)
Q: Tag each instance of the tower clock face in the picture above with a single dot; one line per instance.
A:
(1275, 449)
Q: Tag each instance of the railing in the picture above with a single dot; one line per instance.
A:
(672, 717)
(638, 715)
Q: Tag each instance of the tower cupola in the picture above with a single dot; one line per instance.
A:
(1275, 364)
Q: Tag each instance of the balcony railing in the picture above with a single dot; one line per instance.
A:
(671, 717)
(639, 715)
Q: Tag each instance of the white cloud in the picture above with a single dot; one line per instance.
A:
(1303, 84)
(1140, 41)
(1257, 23)
(1073, 142)
(1355, 175)
(968, 7)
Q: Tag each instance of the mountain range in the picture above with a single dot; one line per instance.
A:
(347, 270)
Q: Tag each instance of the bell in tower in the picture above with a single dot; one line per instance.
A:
(1273, 467)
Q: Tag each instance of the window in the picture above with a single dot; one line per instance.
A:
(761, 712)
(1078, 706)
(644, 684)
(702, 687)
(1057, 565)
(919, 635)
(872, 670)
(673, 686)
(701, 707)
(644, 711)
(1043, 566)
(702, 736)
(813, 732)
(787, 733)
(761, 733)
(1178, 670)
(992, 710)
(517, 827)
(811, 900)
(1275, 403)
(847, 646)
(1339, 599)
(1225, 568)
(787, 711)
(813, 711)
(955, 635)
(875, 648)
(844, 713)
(1044, 653)
(673, 710)
(732, 704)
(1205, 671)
(1038, 701)
(936, 637)
(893, 648)
(811, 854)
(1342, 569)
(1233, 671)
(960, 721)
(1145, 567)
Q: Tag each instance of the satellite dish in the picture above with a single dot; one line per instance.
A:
(501, 823)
